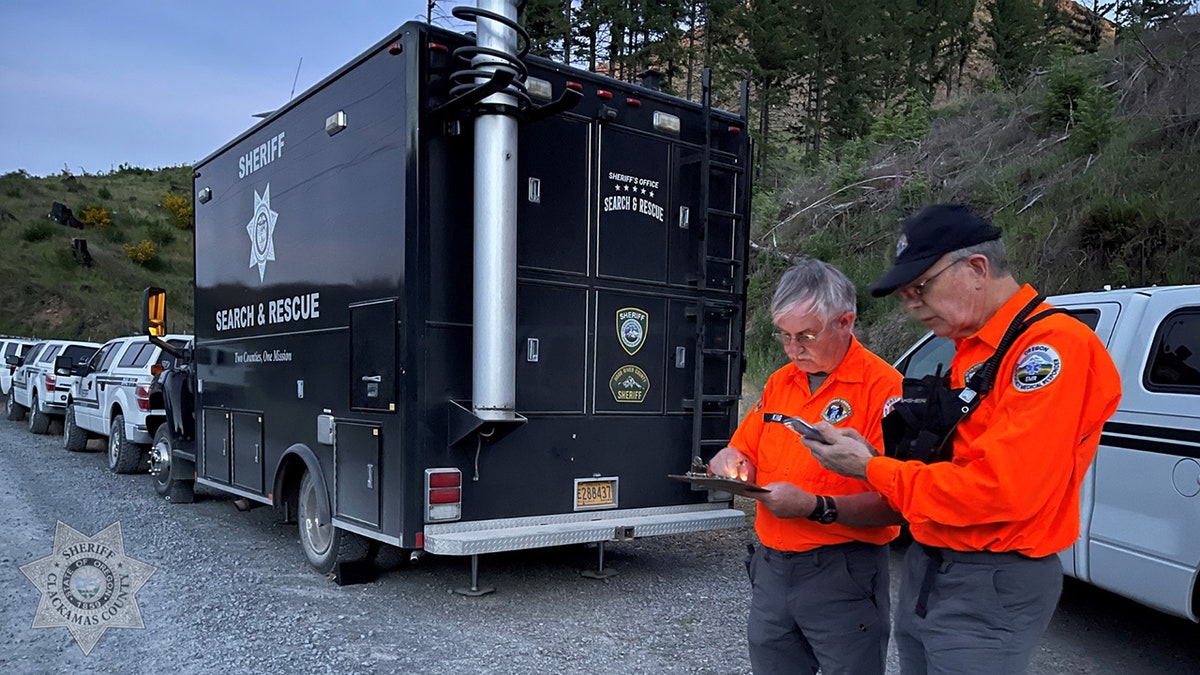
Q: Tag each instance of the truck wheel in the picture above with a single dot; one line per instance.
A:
(165, 472)
(12, 410)
(323, 544)
(123, 456)
(39, 422)
(74, 438)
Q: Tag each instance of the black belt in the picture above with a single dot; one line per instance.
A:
(815, 552)
(939, 556)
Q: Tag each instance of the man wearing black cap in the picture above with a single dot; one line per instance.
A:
(992, 494)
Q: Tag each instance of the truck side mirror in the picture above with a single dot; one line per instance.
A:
(154, 312)
(64, 365)
(14, 360)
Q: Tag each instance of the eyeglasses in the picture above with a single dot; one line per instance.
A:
(917, 291)
(805, 339)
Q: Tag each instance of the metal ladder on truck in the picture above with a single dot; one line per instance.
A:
(721, 282)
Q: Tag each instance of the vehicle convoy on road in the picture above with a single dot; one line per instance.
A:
(40, 385)
(463, 310)
(110, 398)
(1140, 502)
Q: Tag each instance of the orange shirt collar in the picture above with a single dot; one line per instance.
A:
(850, 370)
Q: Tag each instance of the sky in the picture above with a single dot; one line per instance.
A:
(88, 85)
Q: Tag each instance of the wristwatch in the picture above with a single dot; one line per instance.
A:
(825, 511)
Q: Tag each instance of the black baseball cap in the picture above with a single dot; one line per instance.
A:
(935, 231)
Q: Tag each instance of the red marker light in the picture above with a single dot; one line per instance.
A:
(604, 94)
(633, 102)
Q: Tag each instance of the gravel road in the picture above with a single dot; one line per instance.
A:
(232, 593)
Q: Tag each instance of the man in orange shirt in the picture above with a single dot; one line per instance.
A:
(820, 589)
(982, 580)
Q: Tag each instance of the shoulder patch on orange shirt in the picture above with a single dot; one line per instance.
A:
(1037, 367)
(891, 403)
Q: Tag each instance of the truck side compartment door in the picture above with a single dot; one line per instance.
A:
(356, 456)
(215, 455)
(373, 331)
(248, 451)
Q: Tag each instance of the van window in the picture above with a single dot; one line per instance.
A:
(49, 353)
(165, 359)
(108, 358)
(932, 357)
(79, 353)
(1091, 317)
(1175, 354)
(33, 352)
(137, 355)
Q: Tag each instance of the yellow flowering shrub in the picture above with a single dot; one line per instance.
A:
(97, 215)
(180, 209)
(140, 253)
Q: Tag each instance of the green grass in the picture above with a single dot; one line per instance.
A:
(46, 292)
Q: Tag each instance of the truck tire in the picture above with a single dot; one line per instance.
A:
(74, 438)
(165, 472)
(323, 544)
(13, 411)
(123, 456)
(39, 422)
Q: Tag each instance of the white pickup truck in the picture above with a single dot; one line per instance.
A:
(1140, 502)
(40, 382)
(110, 397)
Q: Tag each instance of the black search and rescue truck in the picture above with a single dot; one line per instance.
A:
(464, 309)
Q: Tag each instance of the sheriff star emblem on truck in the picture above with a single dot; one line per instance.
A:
(261, 229)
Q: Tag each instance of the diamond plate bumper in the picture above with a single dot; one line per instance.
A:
(514, 534)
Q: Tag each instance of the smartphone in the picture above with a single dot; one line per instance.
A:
(797, 425)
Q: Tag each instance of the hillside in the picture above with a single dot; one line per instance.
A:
(1092, 170)
(47, 291)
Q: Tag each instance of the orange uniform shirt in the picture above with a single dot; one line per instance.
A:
(854, 395)
(1019, 458)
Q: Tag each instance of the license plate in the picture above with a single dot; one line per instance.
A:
(595, 493)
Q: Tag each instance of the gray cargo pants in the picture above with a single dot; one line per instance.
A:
(984, 613)
(825, 608)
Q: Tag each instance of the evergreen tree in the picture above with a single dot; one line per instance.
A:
(1015, 27)
(1143, 14)
(549, 25)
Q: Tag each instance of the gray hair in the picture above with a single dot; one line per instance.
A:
(812, 282)
(992, 250)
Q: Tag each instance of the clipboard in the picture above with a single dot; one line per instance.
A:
(725, 483)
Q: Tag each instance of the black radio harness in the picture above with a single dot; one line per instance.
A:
(920, 425)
